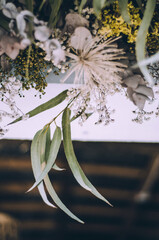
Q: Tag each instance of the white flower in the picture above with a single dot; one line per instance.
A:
(21, 22)
(54, 51)
(9, 10)
(92, 61)
(42, 33)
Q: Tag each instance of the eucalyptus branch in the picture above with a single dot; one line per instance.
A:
(53, 120)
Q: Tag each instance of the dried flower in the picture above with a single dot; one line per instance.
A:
(137, 90)
(93, 62)
(74, 20)
(54, 51)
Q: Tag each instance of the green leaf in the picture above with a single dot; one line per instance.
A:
(57, 168)
(54, 148)
(57, 200)
(72, 160)
(36, 165)
(55, 7)
(98, 5)
(83, 2)
(48, 143)
(29, 5)
(45, 106)
(123, 7)
(4, 22)
(47, 150)
(141, 38)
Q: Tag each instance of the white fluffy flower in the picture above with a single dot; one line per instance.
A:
(92, 61)
(54, 51)
(42, 33)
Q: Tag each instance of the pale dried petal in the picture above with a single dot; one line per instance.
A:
(80, 38)
(24, 43)
(12, 52)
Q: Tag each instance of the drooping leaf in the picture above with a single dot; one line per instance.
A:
(123, 7)
(57, 200)
(47, 150)
(54, 148)
(72, 160)
(45, 106)
(141, 38)
(57, 168)
(48, 143)
(83, 2)
(36, 166)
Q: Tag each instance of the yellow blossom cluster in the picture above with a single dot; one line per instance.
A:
(34, 65)
(114, 25)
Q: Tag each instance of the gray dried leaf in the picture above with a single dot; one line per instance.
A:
(147, 91)
(133, 81)
(139, 100)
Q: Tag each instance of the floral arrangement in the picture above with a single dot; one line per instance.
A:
(107, 46)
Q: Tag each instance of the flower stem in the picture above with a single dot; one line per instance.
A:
(27, 65)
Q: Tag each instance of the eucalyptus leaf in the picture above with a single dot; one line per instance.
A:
(54, 148)
(141, 39)
(57, 200)
(45, 106)
(123, 7)
(36, 166)
(57, 168)
(71, 158)
(47, 150)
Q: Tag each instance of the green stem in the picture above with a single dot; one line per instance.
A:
(53, 120)
(29, 5)
(27, 65)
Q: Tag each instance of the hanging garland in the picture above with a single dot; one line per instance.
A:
(100, 43)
